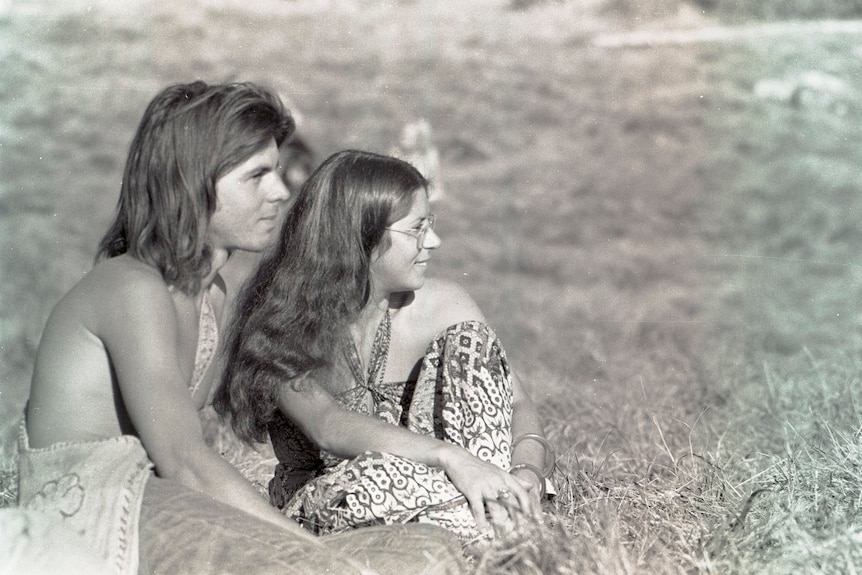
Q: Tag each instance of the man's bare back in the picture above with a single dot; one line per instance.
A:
(80, 400)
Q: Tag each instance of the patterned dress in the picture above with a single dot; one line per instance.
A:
(463, 395)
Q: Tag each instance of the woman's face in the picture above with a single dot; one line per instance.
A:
(402, 266)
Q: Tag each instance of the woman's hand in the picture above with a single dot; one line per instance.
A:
(532, 483)
(488, 488)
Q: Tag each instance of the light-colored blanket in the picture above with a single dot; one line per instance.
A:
(31, 543)
(93, 489)
(92, 508)
(75, 507)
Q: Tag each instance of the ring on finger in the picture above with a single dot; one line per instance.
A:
(503, 493)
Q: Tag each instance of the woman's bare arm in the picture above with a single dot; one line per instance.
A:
(348, 434)
(525, 421)
(449, 304)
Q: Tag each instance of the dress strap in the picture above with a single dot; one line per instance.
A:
(377, 363)
(207, 342)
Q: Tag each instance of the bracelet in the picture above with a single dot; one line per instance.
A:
(537, 471)
(550, 454)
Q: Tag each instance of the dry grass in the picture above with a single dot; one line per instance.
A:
(668, 258)
(741, 10)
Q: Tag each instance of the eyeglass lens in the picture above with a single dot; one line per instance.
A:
(427, 224)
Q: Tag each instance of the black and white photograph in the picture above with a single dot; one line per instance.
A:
(432, 287)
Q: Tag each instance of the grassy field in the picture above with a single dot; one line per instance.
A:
(664, 236)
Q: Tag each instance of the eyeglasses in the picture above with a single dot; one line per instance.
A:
(420, 231)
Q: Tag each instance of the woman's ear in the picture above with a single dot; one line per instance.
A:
(381, 248)
(376, 252)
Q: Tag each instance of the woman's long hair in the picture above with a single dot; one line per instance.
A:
(189, 137)
(293, 314)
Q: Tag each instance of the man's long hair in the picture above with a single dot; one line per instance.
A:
(293, 314)
(189, 137)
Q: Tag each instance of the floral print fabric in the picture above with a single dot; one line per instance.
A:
(463, 395)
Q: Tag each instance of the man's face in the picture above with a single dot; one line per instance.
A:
(249, 199)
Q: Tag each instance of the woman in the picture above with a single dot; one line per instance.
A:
(386, 396)
(126, 360)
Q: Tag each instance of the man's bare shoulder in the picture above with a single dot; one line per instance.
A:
(111, 286)
(125, 270)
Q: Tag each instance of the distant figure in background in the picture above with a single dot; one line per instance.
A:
(296, 162)
(126, 361)
(296, 157)
(386, 396)
(416, 146)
